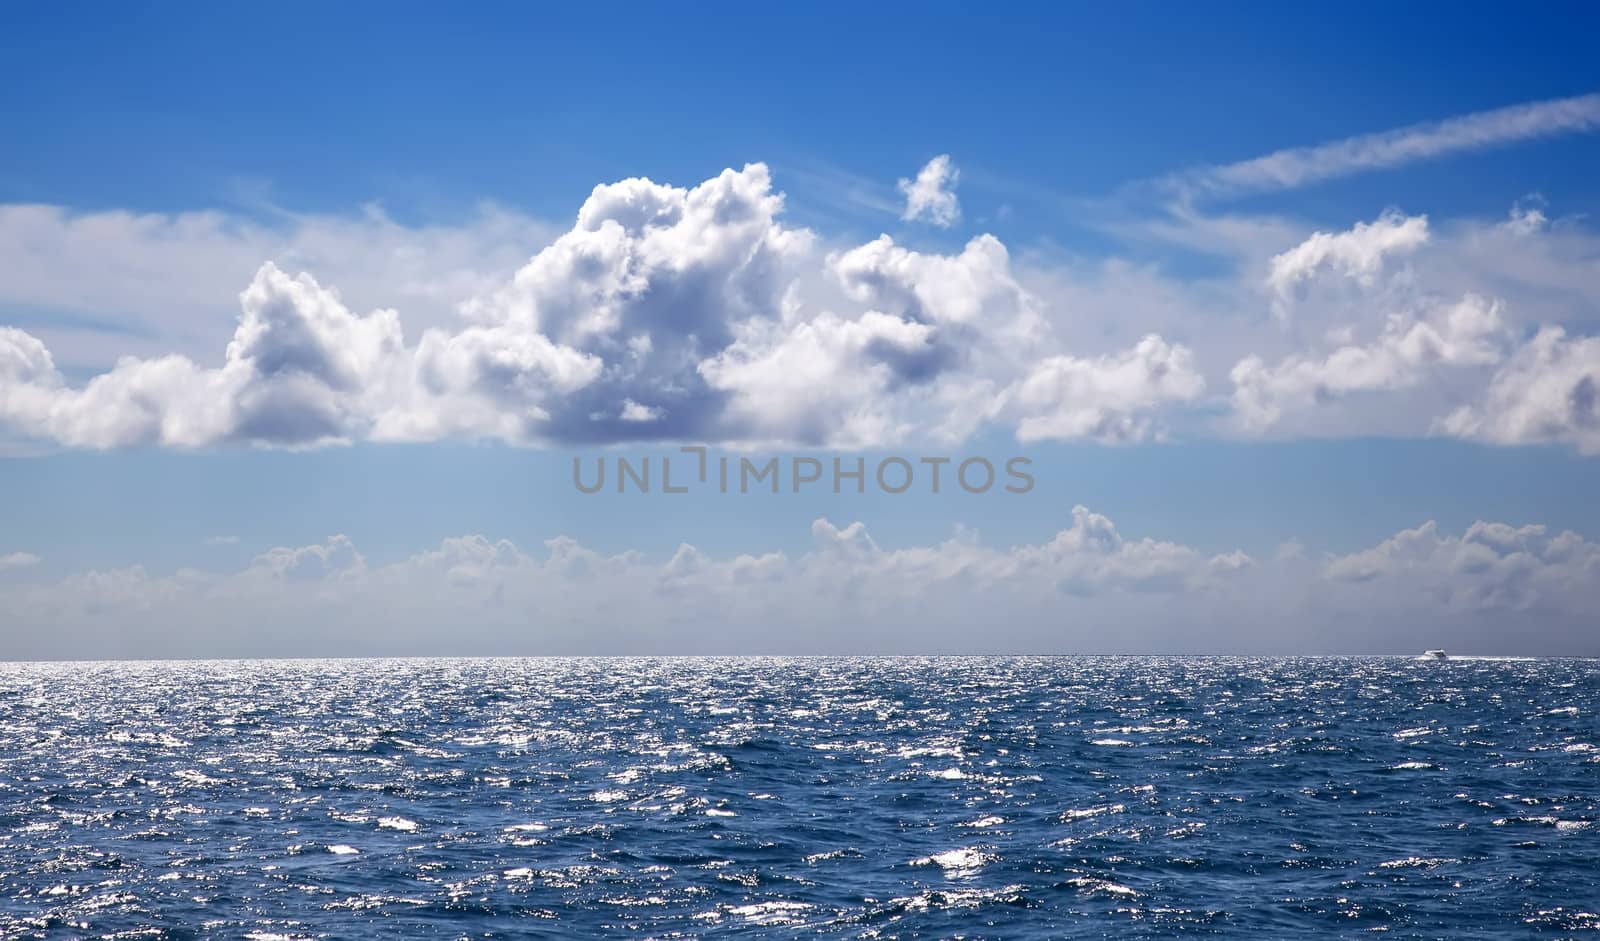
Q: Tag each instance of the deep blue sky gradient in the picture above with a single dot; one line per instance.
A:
(178, 105)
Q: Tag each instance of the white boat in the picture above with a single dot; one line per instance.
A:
(1434, 655)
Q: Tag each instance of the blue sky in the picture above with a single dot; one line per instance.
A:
(1276, 285)
(329, 108)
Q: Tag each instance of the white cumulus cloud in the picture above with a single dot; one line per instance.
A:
(1358, 254)
(931, 196)
(665, 312)
(1109, 398)
(1405, 351)
(1548, 392)
(698, 314)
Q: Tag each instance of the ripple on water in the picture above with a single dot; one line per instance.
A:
(1028, 798)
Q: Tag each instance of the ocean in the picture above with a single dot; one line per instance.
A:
(1025, 798)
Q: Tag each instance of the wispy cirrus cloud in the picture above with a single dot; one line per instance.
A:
(1301, 166)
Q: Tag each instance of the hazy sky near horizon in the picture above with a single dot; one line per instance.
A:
(1295, 317)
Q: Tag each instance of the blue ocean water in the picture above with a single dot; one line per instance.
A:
(835, 798)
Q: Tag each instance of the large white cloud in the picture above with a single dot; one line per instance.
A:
(301, 369)
(97, 286)
(827, 380)
(1456, 341)
(1088, 588)
(698, 314)
(1405, 351)
(663, 313)
(939, 338)
(1548, 392)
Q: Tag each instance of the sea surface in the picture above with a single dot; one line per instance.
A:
(832, 798)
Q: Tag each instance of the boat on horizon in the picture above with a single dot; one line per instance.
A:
(1434, 655)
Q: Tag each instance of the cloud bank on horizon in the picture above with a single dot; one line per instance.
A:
(1088, 588)
(697, 314)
